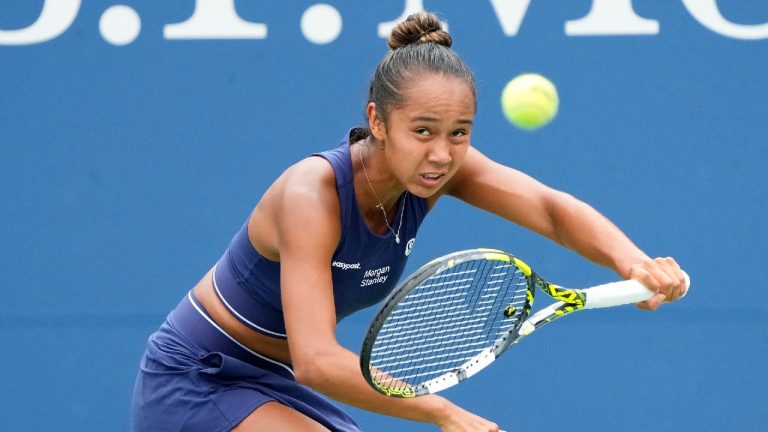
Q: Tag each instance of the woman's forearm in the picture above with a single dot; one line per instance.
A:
(583, 229)
(337, 375)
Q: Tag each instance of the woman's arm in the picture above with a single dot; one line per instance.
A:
(308, 227)
(519, 198)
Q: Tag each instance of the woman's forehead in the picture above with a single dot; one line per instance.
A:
(438, 93)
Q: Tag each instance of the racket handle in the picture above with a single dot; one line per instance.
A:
(621, 293)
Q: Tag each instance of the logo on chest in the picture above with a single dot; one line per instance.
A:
(376, 276)
(409, 246)
(346, 266)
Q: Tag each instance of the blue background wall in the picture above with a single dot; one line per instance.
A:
(124, 170)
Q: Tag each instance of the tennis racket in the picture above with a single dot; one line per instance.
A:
(458, 313)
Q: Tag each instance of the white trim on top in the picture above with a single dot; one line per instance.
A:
(234, 312)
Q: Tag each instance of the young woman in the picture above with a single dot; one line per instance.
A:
(252, 347)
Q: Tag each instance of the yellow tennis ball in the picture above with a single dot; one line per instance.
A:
(529, 101)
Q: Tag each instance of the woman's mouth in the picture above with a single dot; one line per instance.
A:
(431, 179)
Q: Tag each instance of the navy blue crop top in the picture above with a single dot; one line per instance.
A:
(366, 266)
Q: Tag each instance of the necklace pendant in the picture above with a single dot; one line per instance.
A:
(380, 205)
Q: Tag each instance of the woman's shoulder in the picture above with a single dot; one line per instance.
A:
(311, 175)
(305, 206)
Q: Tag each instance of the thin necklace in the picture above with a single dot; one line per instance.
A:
(380, 205)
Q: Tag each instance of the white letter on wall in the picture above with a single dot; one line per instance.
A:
(54, 19)
(215, 19)
(510, 14)
(708, 14)
(611, 17)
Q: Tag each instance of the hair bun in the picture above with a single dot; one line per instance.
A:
(420, 27)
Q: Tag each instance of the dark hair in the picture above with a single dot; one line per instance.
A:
(419, 44)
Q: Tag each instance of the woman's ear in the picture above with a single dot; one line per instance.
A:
(375, 122)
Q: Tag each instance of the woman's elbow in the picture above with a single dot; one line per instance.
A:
(312, 373)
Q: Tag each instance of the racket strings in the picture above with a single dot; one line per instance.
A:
(446, 320)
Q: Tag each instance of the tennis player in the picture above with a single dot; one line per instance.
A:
(252, 347)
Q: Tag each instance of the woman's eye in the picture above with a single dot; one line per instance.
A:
(422, 131)
(459, 133)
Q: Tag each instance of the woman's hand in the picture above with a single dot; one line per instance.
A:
(457, 419)
(662, 276)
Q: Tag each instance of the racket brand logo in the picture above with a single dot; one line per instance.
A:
(346, 266)
(323, 23)
(400, 391)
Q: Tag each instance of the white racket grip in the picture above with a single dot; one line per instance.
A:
(621, 293)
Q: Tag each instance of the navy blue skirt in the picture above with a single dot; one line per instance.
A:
(194, 377)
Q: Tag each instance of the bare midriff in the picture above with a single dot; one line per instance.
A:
(273, 348)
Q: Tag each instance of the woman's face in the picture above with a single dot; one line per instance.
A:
(427, 137)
